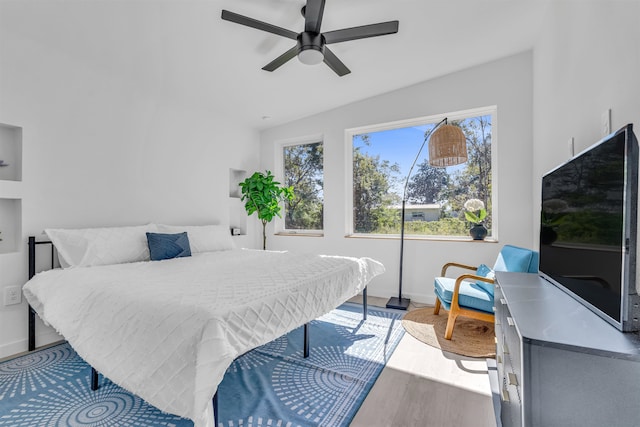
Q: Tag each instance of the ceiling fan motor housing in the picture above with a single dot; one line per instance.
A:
(310, 48)
(308, 40)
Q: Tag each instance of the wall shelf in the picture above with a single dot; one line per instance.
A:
(236, 176)
(10, 188)
(237, 214)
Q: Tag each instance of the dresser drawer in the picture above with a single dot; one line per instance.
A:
(511, 405)
(508, 362)
(513, 343)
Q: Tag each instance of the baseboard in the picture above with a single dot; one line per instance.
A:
(15, 348)
(421, 298)
(415, 298)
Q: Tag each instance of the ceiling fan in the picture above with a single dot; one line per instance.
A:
(311, 43)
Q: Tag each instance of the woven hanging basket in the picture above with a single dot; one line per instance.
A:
(447, 147)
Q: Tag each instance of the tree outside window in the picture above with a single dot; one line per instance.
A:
(381, 160)
(303, 169)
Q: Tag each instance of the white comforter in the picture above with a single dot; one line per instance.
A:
(168, 330)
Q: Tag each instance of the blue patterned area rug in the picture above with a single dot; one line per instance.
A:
(272, 385)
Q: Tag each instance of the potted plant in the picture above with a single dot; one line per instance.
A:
(476, 213)
(263, 195)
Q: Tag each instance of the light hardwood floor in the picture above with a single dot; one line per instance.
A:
(422, 386)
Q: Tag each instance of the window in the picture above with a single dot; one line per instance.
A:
(303, 170)
(381, 158)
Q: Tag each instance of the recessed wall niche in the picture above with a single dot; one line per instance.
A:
(10, 224)
(10, 153)
(236, 176)
(237, 214)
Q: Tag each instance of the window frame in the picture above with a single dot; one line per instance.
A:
(280, 223)
(491, 110)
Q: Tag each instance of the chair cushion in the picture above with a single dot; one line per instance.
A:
(484, 271)
(513, 258)
(468, 297)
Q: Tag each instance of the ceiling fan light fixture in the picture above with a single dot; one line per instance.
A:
(310, 56)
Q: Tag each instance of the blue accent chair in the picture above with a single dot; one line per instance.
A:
(471, 294)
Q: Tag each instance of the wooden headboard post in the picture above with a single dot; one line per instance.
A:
(32, 272)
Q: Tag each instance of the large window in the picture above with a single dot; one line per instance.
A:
(302, 169)
(382, 157)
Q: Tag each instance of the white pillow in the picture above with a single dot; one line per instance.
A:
(85, 247)
(203, 238)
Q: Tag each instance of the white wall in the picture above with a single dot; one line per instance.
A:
(586, 60)
(506, 83)
(98, 151)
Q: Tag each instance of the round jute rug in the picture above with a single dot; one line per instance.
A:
(473, 338)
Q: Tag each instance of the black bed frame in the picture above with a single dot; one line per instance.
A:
(32, 243)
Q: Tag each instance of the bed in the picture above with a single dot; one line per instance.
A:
(168, 330)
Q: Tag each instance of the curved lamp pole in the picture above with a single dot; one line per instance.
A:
(399, 302)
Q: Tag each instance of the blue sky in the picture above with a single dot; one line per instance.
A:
(399, 146)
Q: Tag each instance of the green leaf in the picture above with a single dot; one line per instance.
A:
(263, 195)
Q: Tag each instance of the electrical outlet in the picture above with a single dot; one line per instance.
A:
(12, 295)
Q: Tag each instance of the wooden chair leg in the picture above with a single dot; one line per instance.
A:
(436, 309)
(448, 333)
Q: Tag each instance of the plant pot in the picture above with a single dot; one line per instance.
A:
(478, 232)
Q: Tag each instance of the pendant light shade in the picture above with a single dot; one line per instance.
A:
(447, 146)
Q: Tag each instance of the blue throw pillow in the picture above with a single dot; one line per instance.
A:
(484, 271)
(167, 246)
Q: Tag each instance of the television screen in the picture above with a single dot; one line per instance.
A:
(588, 223)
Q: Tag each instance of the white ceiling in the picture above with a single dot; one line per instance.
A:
(183, 50)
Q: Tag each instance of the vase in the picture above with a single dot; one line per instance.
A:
(478, 232)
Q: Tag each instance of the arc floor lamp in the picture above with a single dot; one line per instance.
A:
(447, 147)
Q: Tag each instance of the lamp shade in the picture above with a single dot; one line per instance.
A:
(447, 146)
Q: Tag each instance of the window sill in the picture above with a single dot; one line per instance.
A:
(414, 237)
(299, 234)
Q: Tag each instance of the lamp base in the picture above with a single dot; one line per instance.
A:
(398, 303)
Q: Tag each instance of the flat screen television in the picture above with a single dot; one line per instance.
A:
(588, 228)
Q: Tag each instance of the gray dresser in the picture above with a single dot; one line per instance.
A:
(558, 363)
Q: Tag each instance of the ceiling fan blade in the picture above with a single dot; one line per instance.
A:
(259, 25)
(334, 63)
(280, 60)
(313, 15)
(354, 33)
